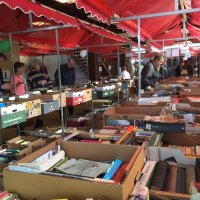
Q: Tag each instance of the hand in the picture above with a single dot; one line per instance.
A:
(6, 86)
(19, 83)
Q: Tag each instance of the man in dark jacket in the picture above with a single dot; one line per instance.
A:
(2, 64)
(150, 73)
(67, 73)
(68, 77)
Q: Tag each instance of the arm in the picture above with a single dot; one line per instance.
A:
(30, 83)
(147, 76)
(1, 77)
(56, 77)
(74, 77)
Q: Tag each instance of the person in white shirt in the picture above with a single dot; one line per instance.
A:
(125, 74)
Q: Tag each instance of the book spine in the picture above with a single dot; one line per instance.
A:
(181, 181)
(170, 180)
(118, 178)
(159, 176)
(190, 177)
(113, 170)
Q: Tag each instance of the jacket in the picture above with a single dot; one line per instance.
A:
(150, 75)
(67, 75)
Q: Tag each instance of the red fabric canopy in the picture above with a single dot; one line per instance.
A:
(44, 41)
(195, 16)
(193, 31)
(150, 28)
(104, 33)
(40, 11)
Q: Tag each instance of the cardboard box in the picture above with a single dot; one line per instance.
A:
(12, 114)
(87, 95)
(34, 141)
(53, 96)
(153, 100)
(191, 93)
(121, 115)
(134, 104)
(73, 101)
(50, 106)
(165, 153)
(49, 187)
(33, 106)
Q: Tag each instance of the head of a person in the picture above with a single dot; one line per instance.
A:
(37, 65)
(125, 67)
(19, 68)
(158, 60)
(136, 64)
(181, 63)
(71, 62)
(2, 60)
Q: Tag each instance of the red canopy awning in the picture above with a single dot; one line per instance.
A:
(45, 41)
(195, 16)
(40, 11)
(150, 28)
(104, 33)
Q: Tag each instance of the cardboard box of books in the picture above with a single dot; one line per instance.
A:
(25, 140)
(165, 123)
(179, 148)
(134, 104)
(12, 114)
(153, 100)
(171, 180)
(190, 93)
(81, 172)
(125, 116)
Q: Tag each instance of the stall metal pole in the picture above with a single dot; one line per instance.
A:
(162, 14)
(13, 71)
(30, 20)
(118, 62)
(88, 75)
(12, 61)
(163, 55)
(59, 75)
(139, 61)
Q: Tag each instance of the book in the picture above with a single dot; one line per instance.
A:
(181, 180)
(132, 160)
(155, 140)
(145, 178)
(83, 168)
(47, 164)
(113, 169)
(190, 177)
(170, 180)
(47, 155)
(119, 176)
(158, 179)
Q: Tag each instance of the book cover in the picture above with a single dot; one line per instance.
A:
(170, 180)
(181, 180)
(113, 169)
(84, 168)
(159, 176)
(190, 177)
(119, 176)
